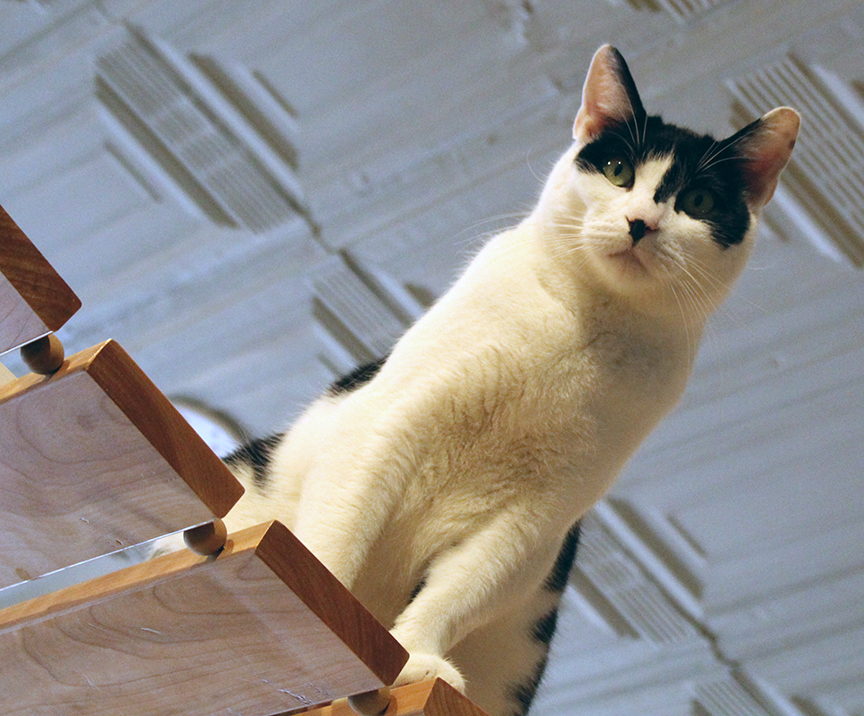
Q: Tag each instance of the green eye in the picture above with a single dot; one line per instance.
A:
(619, 171)
(698, 203)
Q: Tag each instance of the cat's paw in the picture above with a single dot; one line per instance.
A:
(423, 667)
(166, 545)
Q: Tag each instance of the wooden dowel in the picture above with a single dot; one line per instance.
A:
(207, 540)
(44, 355)
(428, 698)
(372, 703)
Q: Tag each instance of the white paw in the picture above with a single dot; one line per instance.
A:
(423, 667)
(166, 545)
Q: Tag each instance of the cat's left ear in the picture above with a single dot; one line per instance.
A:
(609, 96)
(765, 146)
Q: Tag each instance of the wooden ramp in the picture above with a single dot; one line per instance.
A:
(94, 459)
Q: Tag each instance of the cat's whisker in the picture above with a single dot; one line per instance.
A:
(644, 127)
(702, 300)
(631, 145)
(707, 272)
(570, 250)
(540, 179)
(727, 308)
(715, 162)
(706, 297)
(515, 217)
(724, 146)
(705, 157)
(690, 340)
(632, 116)
(709, 334)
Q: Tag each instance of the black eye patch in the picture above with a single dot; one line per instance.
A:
(698, 162)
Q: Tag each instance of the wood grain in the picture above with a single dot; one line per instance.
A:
(96, 459)
(189, 635)
(430, 698)
(34, 300)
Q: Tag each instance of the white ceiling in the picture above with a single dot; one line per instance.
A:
(287, 184)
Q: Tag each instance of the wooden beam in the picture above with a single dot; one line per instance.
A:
(96, 459)
(264, 628)
(34, 300)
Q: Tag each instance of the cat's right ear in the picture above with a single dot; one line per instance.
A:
(608, 97)
(765, 146)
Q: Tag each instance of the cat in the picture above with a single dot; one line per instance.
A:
(444, 485)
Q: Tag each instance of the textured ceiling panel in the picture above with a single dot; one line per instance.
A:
(201, 133)
(826, 174)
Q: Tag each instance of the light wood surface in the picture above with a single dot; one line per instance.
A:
(96, 459)
(261, 629)
(34, 300)
(430, 698)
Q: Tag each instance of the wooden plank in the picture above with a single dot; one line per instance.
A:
(34, 300)
(429, 698)
(96, 459)
(264, 628)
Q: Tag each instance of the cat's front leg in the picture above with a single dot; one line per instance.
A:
(466, 587)
(342, 511)
(341, 534)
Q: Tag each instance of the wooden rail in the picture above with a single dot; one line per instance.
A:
(93, 459)
(35, 301)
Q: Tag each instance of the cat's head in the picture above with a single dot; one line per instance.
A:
(654, 212)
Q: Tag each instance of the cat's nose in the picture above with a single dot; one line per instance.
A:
(638, 229)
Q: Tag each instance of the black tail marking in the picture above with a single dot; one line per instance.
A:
(256, 453)
(356, 378)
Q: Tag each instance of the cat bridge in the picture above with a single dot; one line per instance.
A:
(94, 459)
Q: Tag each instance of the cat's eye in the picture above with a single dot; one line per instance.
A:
(619, 171)
(698, 203)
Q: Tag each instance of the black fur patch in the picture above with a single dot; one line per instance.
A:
(523, 694)
(256, 454)
(356, 378)
(557, 579)
(417, 590)
(544, 629)
(698, 162)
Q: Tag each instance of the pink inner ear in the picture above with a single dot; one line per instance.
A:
(604, 97)
(767, 151)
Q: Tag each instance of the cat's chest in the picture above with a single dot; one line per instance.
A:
(602, 386)
(567, 386)
(602, 355)
(642, 368)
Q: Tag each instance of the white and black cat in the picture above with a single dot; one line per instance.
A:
(442, 487)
